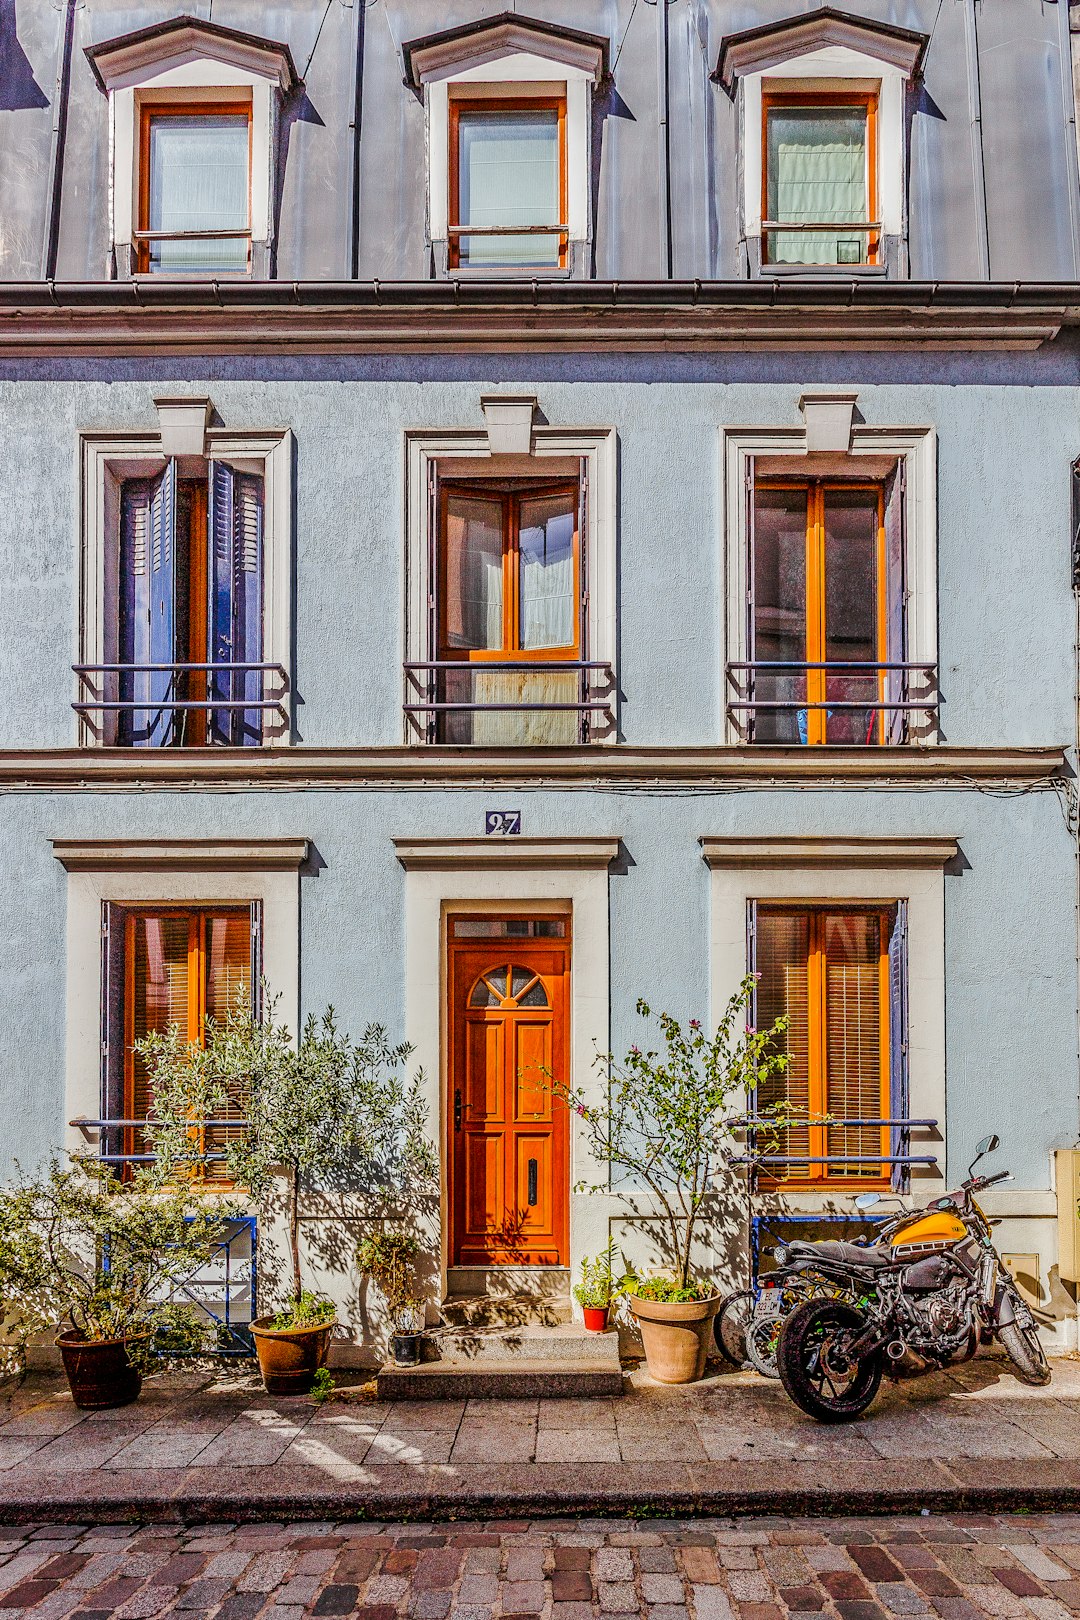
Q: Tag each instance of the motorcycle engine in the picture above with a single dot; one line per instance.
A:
(934, 1304)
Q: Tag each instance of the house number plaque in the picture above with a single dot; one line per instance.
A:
(504, 822)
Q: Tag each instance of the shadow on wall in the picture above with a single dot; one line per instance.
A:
(19, 90)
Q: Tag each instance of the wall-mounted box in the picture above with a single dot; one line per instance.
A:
(1067, 1183)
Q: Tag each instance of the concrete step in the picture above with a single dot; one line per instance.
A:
(510, 1310)
(567, 1341)
(508, 1282)
(516, 1379)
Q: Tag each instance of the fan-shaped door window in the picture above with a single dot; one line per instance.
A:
(509, 987)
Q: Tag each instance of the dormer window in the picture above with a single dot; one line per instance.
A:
(822, 102)
(509, 115)
(195, 191)
(194, 110)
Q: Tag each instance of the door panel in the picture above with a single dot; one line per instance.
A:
(509, 1159)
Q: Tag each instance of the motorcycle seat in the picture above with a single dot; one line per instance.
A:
(849, 1253)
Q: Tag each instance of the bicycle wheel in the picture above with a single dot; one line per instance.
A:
(762, 1342)
(729, 1326)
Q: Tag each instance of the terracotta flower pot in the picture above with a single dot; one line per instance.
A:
(99, 1370)
(596, 1318)
(676, 1336)
(289, 1358)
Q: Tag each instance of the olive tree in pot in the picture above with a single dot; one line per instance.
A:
(324, 1111)
(100, 1257)
(665, 1124)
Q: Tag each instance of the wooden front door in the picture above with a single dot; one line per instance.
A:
(509, 1137)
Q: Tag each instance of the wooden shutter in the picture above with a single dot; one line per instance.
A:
(161, 727)
(896, 723)
(782, 948)
(112, 1024)
(147, 606)
(745, 686)
(235, 607)
(855, 1034)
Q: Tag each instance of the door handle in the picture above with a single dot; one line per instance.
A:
(457, 1110)
(532, 1183)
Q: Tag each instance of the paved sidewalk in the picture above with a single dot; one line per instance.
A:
(214, 1445)
(1025, 1568)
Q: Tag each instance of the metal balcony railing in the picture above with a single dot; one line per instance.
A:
(847, 702)
(114, 1130)
(510, 702)
(181, 704)
(847, 1161)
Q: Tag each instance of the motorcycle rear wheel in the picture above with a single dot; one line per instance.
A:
(730, 1324)
(1021, 1345)
(810, 1359)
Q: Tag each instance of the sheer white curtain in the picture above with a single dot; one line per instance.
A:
(199, 182)
(817, 171)
(509, 175)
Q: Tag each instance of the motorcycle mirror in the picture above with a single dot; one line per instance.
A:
(867, 1200)
(988, 1145)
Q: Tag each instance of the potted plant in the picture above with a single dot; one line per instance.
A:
(389, 1259)
(665, 1121)
(597, 1290)
(326, 1109)
(100, 1258)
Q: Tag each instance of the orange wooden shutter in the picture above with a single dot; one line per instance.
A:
(854, 952)
(783, 952)
(227, 967)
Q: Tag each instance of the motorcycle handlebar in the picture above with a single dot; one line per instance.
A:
(990, 1181)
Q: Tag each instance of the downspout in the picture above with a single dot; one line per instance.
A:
(662, 102)
(357, 116)
(1068, 98)
(978, 160)
(55, 183)
(1074, 565)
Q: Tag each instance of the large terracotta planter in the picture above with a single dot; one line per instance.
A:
(676, 1336)
(289, 1358)
(99, 1371)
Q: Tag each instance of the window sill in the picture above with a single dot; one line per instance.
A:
(822, 272)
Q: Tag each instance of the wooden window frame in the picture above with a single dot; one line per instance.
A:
(511, 648)
(773, 99)
(816, 550)
(817, 1176)
(148, 111)
(197, 957)
(457, 226)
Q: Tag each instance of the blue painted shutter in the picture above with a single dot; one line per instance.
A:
(112, 1023)
(745, 684)
(898, 1042)
(896, 684)
(234, 633)
(147, 628)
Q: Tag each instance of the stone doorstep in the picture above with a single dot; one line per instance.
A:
(506, 1310)
(508, 1282)
(517, 1378)
(475, 1346)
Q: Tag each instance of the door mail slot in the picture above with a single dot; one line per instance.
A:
(532, 1183)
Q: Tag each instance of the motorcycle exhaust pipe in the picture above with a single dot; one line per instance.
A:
(896, 1350)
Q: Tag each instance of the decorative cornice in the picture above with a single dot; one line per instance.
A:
(180, 854)
(95, 770)
(155, 316)
(505, 854)
(755, 48)
(181, 38)
(827, 852)
(435, 55)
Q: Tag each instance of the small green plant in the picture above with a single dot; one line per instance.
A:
(667, 1290)
(310, 1310)
(389, 1258)
(82, 1249)
(322, 1387)
(598, 1288)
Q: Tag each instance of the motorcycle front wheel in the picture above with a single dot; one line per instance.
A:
(814, 1366)
(1021, 1344)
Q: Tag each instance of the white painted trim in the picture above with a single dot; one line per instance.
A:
(504, 854)
(512, 74)
(180, 854)
(430, 896)
(107, 459)
(818, 853)
(277, 890)
(836, 67)
(917, 446)
(923, 887)
(426, 448)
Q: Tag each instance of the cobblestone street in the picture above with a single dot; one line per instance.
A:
(710, 1569)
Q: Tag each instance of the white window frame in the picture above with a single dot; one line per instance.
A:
(106, 461)
(510, 60)
(837, 872)
(466, 453)
(196, 872)
(916, 447)
(192, 69)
